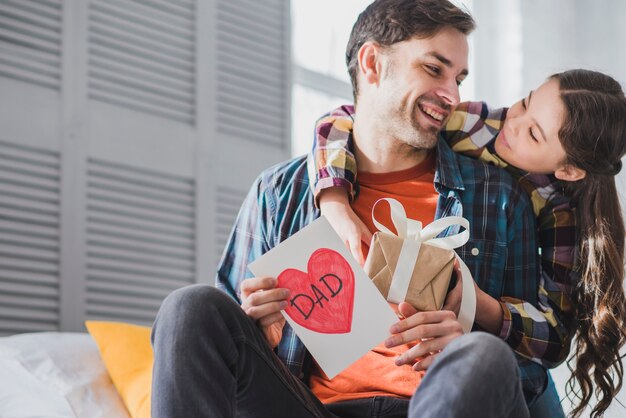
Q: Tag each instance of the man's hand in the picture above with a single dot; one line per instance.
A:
(432, 330)
(336, 208)
(262, 301)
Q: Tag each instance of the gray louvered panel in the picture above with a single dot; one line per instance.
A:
(152, 77)
(232, 125)
(29, 274)
(47, 294)
(153, 38)
(183, 3)
(240, 90)
(175, 208)
(99, 263)
(46, 19)
(252, 50)
(258, 16)
(8, 237)
(50, 8)
(27, 169)
(27, 217)
(39, 207)
(132, 103)
(140, 240)
(8, 300)
(97, 218)
(229, 201)
(242, 68)
(250, 115)
(134, 236)
(139, 63)
(131, 48)
(30, 57)
(240, 51)
(13, 265)
(151, 90)
(129, 279)
(168, 7)
(131, 289)
(232, 76)
(105, 8)
(11, 70)
(28, 253)
(30, 42)
(122, 299)
(137, 191)
(138, 316)
(164, 37)
(151, 180)
(10, 327)
(45, 196)
(121, 258)
(145, 13)
(29, 239)
(47, 233)
(143, 45)
(145, 215)
(29, 30)
(250, 34)
(140, 246)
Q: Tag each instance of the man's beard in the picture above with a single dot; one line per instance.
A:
(406, 128)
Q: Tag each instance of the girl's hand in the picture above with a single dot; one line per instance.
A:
(336, 208)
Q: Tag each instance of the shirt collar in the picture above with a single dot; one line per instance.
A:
(447, 172)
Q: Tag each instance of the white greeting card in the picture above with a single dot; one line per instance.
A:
(334, 307)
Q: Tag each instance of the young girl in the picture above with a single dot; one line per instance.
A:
(564, 144)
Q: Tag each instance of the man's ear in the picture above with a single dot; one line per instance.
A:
(369, 62)
(570, 173)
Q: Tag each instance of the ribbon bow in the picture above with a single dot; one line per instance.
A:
(413, 234)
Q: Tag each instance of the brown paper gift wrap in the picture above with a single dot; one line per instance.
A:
(431, 276)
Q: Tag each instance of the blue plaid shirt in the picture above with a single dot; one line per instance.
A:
(501, 253)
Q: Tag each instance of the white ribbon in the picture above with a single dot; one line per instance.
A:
(411, 231)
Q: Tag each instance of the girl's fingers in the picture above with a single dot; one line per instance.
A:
(354, 243)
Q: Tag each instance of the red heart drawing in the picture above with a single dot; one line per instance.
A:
(322, 299)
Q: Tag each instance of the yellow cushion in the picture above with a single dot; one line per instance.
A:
(127, 355)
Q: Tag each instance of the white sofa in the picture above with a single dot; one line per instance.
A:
(55, 375)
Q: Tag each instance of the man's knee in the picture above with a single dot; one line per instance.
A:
(193, 299)
(192, 307)
(486, 351)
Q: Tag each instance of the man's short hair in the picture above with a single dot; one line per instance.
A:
(387, 22)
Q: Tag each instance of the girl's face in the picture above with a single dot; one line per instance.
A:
(530, 137)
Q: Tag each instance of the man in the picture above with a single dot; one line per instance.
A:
(213, 358)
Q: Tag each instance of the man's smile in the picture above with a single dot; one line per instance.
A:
(434, 114)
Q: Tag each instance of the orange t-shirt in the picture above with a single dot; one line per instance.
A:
(375, 374)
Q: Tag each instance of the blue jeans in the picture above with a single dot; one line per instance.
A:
(211, 360)
(547, 405)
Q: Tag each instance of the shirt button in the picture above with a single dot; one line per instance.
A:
(475, 251)
(301, 375)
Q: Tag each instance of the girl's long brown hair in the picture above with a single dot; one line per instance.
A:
(596, 115)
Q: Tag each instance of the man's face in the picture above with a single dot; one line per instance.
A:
(419, 86)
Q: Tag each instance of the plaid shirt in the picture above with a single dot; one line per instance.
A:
(501, 253)
(541, 330)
